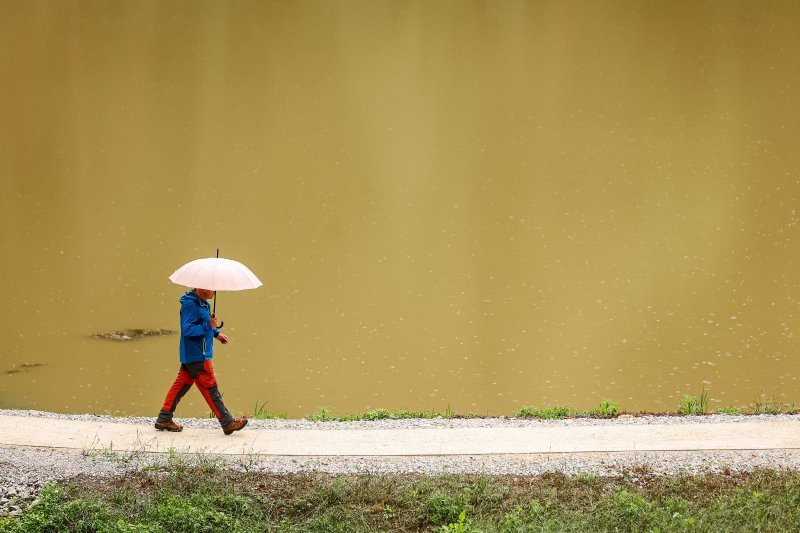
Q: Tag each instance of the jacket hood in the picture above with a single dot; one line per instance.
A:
(190, 295)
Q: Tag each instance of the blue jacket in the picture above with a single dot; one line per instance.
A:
(197, 335)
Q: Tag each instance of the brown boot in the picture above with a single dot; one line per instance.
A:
(236, 425)
(169, 426)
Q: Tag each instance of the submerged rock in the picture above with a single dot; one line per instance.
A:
(22, 368)
(132, 334)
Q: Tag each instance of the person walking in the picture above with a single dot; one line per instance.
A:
(198, 331)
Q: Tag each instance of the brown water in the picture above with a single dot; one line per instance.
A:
(480, 204)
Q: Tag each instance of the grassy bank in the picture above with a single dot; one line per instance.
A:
(212, 499)
(688, 406)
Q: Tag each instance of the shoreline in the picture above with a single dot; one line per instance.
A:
(25, 469)
(435, 422)
(620, 442)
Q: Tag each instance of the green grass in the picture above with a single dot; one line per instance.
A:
(692, 406)
(323, 414)
(688, 406)
(260, 413)
(547, 413)
(607, 408)
(182, 499)
(764, 406)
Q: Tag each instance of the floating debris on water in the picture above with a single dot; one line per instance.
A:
(22, 368)
(132, 334)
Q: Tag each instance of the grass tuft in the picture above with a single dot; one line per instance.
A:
(764, 406)
(549, 413)
(608, 408)
(691, 405)
(261, 414)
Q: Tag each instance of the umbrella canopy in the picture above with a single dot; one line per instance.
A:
(215, 274)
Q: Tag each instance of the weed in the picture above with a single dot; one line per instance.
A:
(105, 453)
(691, 405)
(729, 411)
(549, 413)
(179, 462)
(444, 507)
(377, 414)
(763, 406)
(405, 413)
(607, 408)
(261, 414)
(463, 525)
(323, 414)
(388, 512)
(183, 498)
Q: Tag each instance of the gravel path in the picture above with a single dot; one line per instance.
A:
(24, 470)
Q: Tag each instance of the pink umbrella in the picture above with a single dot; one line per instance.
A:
(215, 274)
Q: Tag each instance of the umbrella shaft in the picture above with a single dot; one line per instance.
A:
(214, 309)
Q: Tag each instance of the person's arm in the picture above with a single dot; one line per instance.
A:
(193, 323)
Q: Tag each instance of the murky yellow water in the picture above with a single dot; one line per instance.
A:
(480, 204)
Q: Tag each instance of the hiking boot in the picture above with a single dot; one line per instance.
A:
(236, 425)
(169, 426)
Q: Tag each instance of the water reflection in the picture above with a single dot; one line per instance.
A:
(474, 204)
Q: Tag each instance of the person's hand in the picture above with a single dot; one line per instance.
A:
(222, 338)
(214, 322)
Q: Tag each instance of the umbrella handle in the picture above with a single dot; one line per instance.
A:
(220, 324)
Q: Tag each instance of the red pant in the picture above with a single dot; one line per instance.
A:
(202, 375)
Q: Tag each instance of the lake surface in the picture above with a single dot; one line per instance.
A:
(473, 204)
